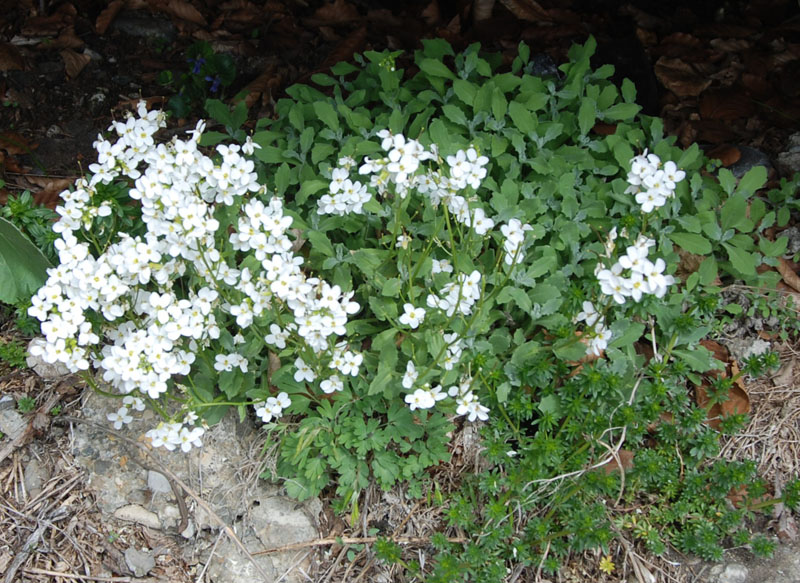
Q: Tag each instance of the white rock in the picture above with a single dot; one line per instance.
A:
(138, 514)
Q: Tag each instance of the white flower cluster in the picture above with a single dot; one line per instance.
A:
(402, 168)
(273, 407)
(458, 295)
(344, 361)
(600, 335)
(634, 275)
(467, 403)
(651, 182)
(172, 435)
(154, 334)
(319, 309)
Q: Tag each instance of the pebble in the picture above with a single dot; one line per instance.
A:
(138, 514)
(140, 562)
(12, 424)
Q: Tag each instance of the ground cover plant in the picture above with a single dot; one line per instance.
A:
(400, 253)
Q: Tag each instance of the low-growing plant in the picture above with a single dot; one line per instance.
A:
(209, 74)
(26, 404)
(13, 353)
(407, 254)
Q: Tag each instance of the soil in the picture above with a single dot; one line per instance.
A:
(720, 74)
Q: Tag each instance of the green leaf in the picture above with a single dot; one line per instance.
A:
(392, 287)
(519, 297)
(586, 115)
(733, 212)
(692, 243)
(320, 242)
(755, 178)
(499, 104)
(282, 179)
(327, 114)
(621, 112)
(625, 333)
(550, 404)
(465, 91)
(708, 270)
(727, 180)
(23, 267)
(741, 260)
(455, 114)
(435, 68)
(521, 117)
(700, 359)
(773, 248)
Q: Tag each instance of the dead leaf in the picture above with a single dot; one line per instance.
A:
(263, 86)
(625, 459)
(680, 78)
(50, 25)
(107, 16)
(728, 154)
(344, 50)
(185, 11)
(785, 374)
(340, 11)
(67, 39)
(482, 10)
(726, 104)
(74, 62)
(738, 401)
(788, 274)
(529, 10)
(10, 58)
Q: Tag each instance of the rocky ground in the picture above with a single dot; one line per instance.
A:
(82, 502)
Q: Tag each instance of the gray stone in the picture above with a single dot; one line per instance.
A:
(7, 402)
(140, 562)
(789, 161)
(224, 473)
(35, 476)
(12, 424)
(158, 482)
(44, 369)
(135, 24)
(743, 348)
(730, 573)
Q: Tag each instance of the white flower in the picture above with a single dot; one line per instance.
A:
(441, 266)
(331, 384)
(120, 417)
(304, 372)
(420, 399)
(410, 376)
(412, 316)
(190, 437)
(589, 314)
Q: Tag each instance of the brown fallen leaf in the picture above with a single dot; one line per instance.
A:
(728, 154)
(529, 10)
(725, 104)
(789, 276)
(74, 62)
(107, 16)
(625, 458)
(10, 58)
(339, 11)
(738, 401)
(680, 78)
(185, 11)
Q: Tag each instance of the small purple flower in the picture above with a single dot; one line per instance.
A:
(215, 81)
(196, 64)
